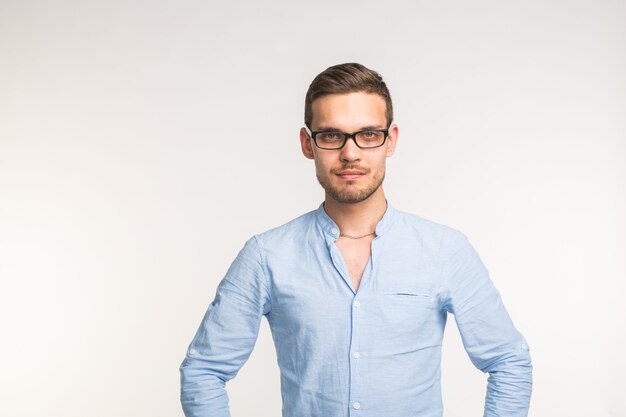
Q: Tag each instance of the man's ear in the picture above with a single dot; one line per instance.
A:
(305, 143)
(392, 140)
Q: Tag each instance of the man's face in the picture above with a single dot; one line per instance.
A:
(349, 174)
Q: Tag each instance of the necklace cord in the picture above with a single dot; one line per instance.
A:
(356, 237)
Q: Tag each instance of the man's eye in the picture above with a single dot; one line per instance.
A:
(330, 136)
(371, 136)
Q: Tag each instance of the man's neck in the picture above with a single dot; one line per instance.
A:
(357, 218)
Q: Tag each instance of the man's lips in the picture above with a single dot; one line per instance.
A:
(350, 174)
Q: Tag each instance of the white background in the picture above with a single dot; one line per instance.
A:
(142, 142)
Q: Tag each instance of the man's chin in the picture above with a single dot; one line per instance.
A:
(348, 193)
(349, 197)
(350, 200)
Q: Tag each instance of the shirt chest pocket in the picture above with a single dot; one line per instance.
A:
(407, 310)
(408, 297)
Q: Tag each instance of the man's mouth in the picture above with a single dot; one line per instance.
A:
(350, 174)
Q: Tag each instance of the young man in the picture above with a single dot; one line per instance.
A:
(356, 293)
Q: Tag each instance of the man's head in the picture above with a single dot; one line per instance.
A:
(347, 107)
(343, 79)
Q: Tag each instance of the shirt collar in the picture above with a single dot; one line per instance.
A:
(329, 228)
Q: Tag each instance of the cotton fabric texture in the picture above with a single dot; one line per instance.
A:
(374, 352)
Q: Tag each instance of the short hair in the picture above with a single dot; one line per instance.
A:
(343, 79)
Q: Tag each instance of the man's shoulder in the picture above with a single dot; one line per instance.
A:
(426, 229)
(294, 228)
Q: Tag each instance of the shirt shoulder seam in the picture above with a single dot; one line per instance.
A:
(262, 264)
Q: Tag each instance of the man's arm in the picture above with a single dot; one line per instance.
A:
(226, 336)
(489, 337)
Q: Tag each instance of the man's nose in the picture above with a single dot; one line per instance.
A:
(350, 152)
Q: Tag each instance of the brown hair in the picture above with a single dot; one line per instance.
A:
(343, 79)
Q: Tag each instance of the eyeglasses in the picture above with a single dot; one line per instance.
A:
(364, 139)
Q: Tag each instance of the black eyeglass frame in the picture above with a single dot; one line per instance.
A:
(346, 136)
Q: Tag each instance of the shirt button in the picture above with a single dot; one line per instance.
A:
(356, 355)
(334, 230)
(357, 303)
(356, 405)
(192, 351)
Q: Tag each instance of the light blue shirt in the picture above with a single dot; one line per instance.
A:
(374, 352)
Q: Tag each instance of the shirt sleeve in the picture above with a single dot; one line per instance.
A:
(226, 336)
(489, 336)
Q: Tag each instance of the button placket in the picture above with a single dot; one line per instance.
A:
(356, 379)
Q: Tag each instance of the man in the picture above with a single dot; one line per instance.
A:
(356, 293)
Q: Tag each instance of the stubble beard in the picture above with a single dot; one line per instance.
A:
(348, 195)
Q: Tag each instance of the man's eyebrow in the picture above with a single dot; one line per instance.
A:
(326, 129)
(334, 129)
(372, 127)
